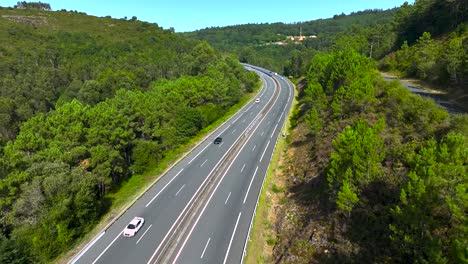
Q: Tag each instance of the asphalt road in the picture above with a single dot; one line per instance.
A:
(200, 211)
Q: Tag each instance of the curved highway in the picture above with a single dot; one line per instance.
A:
(201, 210)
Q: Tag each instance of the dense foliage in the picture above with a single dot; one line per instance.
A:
(432, 37)
(254, 43)
(384, 177)
(435, 16)
(33, 5)
(46, 58)
(85, 108)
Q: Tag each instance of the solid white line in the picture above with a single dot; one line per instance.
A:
(258, 197)
(207, 242)
(198, 154)
(164, 188)
(206, 204)
(180, 190)
(144, 233)
(254, 147)
(243, 168)
(233, 131)
(229, 195)
(263, 132)
(237, 118)
(75, 259)
(248, 108)
(265, 150)
(274, 130)
(224, 130)
(203, 163)
(281, 116)
(250, 184)
(190, 201)
(232, 237)
(102, 253)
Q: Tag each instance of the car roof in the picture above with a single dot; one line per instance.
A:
(135, 220)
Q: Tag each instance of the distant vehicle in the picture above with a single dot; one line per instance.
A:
(218, 140)
(257, 100)
(276, 73)
(133, 226)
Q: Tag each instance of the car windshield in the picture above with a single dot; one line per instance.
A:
(131, 226)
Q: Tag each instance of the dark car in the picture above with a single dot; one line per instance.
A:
(218, 140)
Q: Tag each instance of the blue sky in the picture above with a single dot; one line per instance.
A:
(190, 15)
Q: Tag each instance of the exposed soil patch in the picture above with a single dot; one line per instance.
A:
(28, 20)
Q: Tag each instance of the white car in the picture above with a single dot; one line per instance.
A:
(257, 100)
(133, 226)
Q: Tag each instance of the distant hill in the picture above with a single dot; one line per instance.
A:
(47, 56)
(87, 104)
(432, 45)
(235, 37)
(257, 43)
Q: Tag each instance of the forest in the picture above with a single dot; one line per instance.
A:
(253, 42)
(373, 173)
(426, 40)
(83, 109)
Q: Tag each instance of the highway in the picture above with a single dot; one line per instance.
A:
(201, 210)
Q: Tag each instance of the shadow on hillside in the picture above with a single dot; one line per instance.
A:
(367, 228)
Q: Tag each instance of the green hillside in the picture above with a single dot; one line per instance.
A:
(373, 173)
(433, 46)
(88, 104)
(255, 43)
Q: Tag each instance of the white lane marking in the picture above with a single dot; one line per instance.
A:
(232, 237)
(229, 195)
(180, 190)
(233, 131)
(206, 204)
(190, 201)
(198, 154)
(251, 113)
(220, 144)
(265, 150)
(243, 168)
(237, 118)
(74, 260)
(224, 130)
(274, 130)
(254, 147)
(207, 242)
(203, 163)
(250, 184)
(243, 120)
(102, 253)
(248, 108)
(144, 233)
(281, 116)
(263, 132)
(163, 188)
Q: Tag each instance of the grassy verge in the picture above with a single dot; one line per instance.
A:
(136, 184)
(262, 237)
